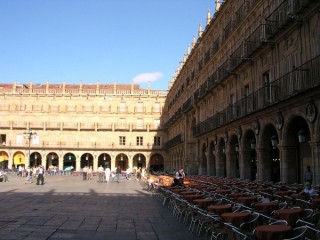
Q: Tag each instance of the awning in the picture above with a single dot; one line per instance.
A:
(19, 159)
(4, 157)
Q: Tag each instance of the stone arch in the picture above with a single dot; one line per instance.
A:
(268, 155)
(296, 155)
(156, 162)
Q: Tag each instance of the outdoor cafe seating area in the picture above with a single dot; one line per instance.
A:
(226, 208)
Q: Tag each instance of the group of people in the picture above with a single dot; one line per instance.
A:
(87, 173)
(37, 172)
(308, 190)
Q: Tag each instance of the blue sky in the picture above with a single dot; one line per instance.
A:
(97, 40)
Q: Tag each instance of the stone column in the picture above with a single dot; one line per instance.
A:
(78, 164)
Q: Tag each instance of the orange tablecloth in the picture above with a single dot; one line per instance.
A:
(291, 215)
(266, 207)
(272, 232)
(236, 218)
(219, 209)
(203, 203)
(192, 197)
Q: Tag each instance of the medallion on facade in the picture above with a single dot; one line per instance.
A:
(279, 121)
(311, 112)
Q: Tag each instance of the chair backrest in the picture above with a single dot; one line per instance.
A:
(283, 205)
(236, 208)
(250, 225)
(298, 233)
(279, 222)
(307, 213)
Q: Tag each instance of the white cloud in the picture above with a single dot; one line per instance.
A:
(147, 77)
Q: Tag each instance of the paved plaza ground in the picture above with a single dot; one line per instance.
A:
(66, 207)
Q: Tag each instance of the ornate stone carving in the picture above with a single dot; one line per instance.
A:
(311, 112)
(256, 127)
(279, 121)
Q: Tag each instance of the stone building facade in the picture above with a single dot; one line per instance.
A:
(245, 101)
(81, 125)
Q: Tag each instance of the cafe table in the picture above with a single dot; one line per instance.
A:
(298, 196)
(219, 209)
(272, 232)
(187, 193)
(316, 203)
(235, 218)
(222, 191)
(236, 195)
(291, 215)
(281, 193)
(192, 197)
(203, 203)
(178, 190)
(266, 207)
(247, 200)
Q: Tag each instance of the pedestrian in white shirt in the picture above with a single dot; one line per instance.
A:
(107, 174)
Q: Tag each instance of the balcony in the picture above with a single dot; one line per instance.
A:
(104, 126)
(304, 78)
(174, 141)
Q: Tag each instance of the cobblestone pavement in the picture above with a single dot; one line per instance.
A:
(66, 207)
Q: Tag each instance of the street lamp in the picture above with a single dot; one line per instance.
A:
(29, 134)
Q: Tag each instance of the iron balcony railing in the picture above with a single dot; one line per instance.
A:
(174, 141)
(300, 80)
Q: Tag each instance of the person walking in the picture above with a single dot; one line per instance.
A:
(308, 175)
(107, 174)
(100, 174)
(128, 172)
(118, 173)
(29, 175)
(40, 177)
(85, 172)
(89, 173)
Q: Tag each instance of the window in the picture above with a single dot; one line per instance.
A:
(140, 123)
(247, 99)
(233, 106)
(156, 141)
(267, 87)
(19, 139)
(122, 122)
(122, 107)
(139, 107)
(3, 139)
(157, 107)
(122, 140)
(157, 123)
(139, 141)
